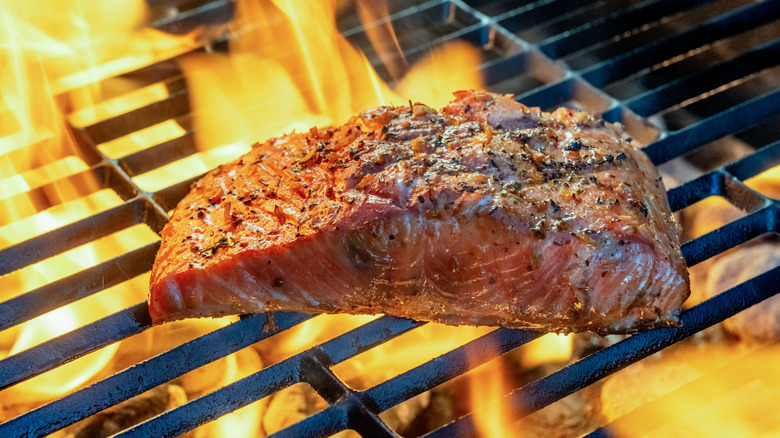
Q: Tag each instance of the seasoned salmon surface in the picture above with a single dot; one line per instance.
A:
(486, 212)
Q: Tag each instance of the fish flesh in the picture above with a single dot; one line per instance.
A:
(486, 212)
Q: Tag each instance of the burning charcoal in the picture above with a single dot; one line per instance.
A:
(400, 416)
(760, 323)
(290, 406)
(567, 418)
(441, 409)
(129, 413)
(699, 219)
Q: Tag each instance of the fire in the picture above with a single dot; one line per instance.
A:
(767, 183)
(266, 86)
(72, 375)
(66, 57)
(309, 333)
(449, 68)
(61, 61)
(55, 56)
(404, 353)
(244, 422)
(736, 396)
(490, 383)
(550, 348)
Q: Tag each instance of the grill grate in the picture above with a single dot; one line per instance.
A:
(592, 58)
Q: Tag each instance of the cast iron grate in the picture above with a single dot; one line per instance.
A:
(608, 57)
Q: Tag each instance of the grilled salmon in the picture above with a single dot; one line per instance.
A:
(486, 212)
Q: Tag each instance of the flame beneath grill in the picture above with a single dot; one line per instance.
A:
(730, 399)
(266, 86)
(55, 56)
(66, 59)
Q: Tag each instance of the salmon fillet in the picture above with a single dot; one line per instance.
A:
(484, 213)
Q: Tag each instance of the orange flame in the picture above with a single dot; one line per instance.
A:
(404, 353)
(266, 86)
(375, 17)
(64, 59)
(737, 395)
(767, 182)
(490, 383)
(244, 422)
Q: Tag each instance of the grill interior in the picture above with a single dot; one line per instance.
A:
(685, 77)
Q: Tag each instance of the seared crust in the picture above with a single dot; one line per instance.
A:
(486, 212)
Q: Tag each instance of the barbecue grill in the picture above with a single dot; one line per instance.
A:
(657, 66)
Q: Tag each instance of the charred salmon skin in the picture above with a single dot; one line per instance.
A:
(486, 212)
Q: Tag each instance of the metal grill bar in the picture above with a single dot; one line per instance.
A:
(696, 190)
(703, 81)
(614, 24)
(163, 153)
(273, 378)
(595, 367)
(70, 236)
(715, 384)
(63, 349)
(730, 235)
(733, 23)
(756, 163)
(175, 105)
(77, 286)
(418, 380)
(537, 12)
(145, 375)
(712, 128)
(211, 13)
